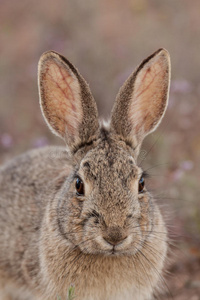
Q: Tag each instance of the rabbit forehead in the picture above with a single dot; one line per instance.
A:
(108, 159)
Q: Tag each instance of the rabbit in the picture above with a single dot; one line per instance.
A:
(80, 216)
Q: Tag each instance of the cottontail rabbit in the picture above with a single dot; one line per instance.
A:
(81, 215)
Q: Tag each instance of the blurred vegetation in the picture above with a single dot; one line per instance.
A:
(70, 294)
(106, 40)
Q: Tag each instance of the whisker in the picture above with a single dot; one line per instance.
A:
(145, 271)
(156, 271)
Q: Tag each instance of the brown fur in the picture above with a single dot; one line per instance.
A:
(110, 243)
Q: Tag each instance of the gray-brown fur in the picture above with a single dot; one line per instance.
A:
(110, 243)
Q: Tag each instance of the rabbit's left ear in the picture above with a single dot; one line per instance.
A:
(142, 100)
(66, 101)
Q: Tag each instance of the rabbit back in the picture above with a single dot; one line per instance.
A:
(27, 184)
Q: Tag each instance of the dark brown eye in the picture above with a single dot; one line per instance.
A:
(141, 185)
(79, 187)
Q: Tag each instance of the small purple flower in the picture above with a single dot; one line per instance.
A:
(40, 142)
(187, 165)
(177, 174)
(181, 86)
(184, 166)
(6, 140)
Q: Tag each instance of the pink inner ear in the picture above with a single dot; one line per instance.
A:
(149, 96)
(147, 80)
(62, 98)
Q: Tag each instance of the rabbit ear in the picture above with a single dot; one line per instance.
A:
(66, 101)
(142, 100)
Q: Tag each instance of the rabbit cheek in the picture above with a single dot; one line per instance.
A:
(90, 231)
(146, 216)
(140, 224)
(69, 223)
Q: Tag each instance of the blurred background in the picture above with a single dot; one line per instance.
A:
(106, 40)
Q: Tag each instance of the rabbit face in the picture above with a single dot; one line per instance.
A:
(111, 216)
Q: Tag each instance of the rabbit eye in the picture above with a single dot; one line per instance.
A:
(141, 185)
(79, 187)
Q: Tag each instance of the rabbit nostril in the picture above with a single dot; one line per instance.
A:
(114, 240)
(114, 235)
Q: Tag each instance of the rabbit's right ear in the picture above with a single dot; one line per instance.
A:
(66, 101)
(142, 100)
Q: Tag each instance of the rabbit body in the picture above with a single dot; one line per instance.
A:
(27, 193)
(76, 216)
(36, 242)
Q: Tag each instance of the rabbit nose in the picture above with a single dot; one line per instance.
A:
(114, 236)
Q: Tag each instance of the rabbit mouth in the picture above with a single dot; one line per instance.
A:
(115, 252)
(99, 246)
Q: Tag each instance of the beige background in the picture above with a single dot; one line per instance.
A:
(106, 40)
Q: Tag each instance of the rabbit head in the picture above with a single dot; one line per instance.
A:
(103, 207)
